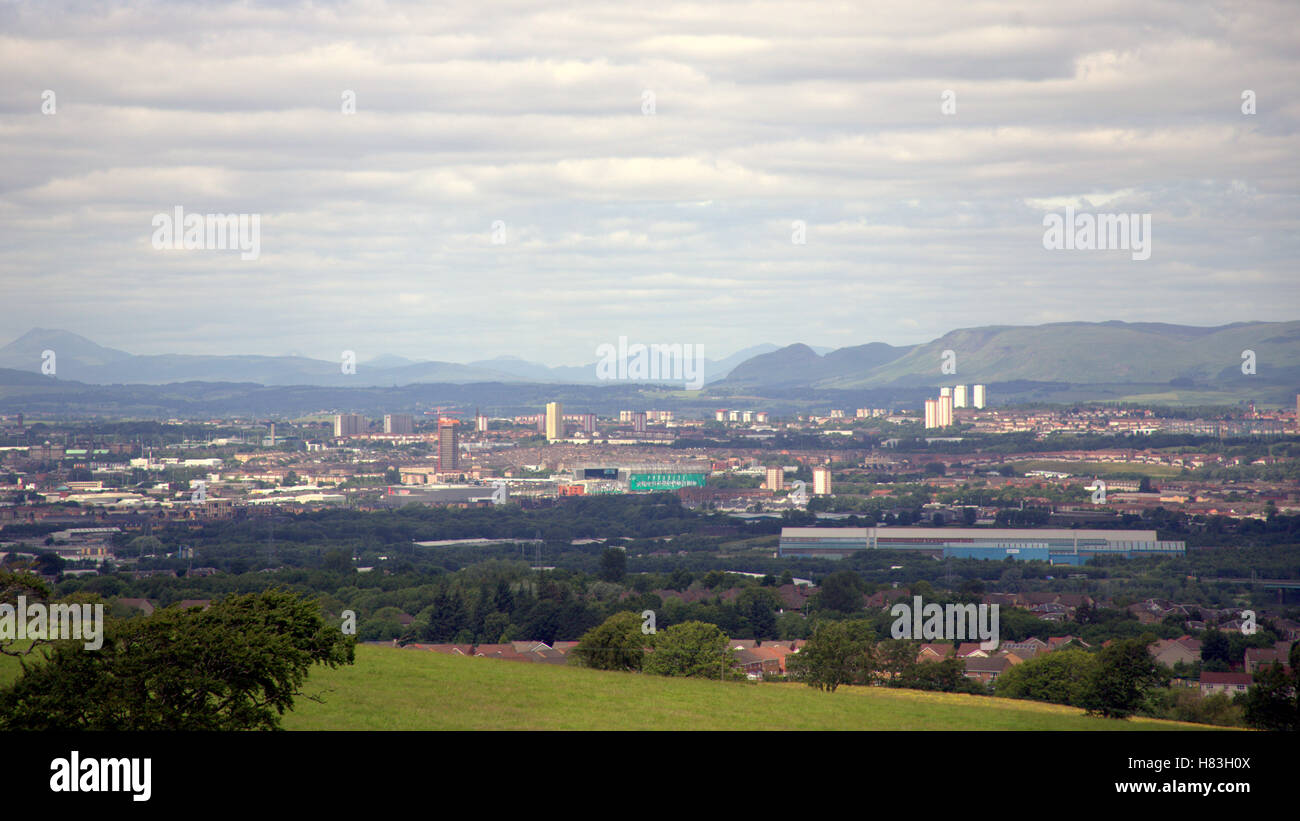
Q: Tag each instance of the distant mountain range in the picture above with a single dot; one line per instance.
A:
(82, 360)
(1177, 359)
(1077, 353)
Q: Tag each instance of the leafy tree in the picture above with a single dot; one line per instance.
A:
(692, 648)
(1123, 675)
(1273, 703)
(839, 652)
(617, 644)
(1058, 677)
(236, 666)
(613, 564)
(841, 593)
(49, 564)
(32, 589)
(948, 675)
(895, 659)
(1216, 647)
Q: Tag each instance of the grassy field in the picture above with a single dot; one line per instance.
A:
(396, 689)
(1099, 468)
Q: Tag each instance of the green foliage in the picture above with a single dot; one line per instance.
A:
(1273, 703)
(1121, 679)
(618, 644)
(1187, 704)
(841, 593)
(839, 652)
(33, 589)
(236, 666)
(613, 564)
(692, 648)
(1060, 677)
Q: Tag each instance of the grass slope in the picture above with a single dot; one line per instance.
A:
(397, 689)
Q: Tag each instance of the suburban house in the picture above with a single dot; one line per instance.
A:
(986, 670)
(1279, 653)
(934, 652)
(1230, 684)
(1171, 651)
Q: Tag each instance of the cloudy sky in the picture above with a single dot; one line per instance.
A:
(645, 167)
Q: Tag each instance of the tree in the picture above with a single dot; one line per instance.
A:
(31, 588)
(1273, 703)
(895, 659)
(236, 666)
(617, 644)
(1121, 679)
(1216, 647)
(692, 648)
(759, 605)
(613, 564)
(1059, 677)
(839, 652)
(841, 592)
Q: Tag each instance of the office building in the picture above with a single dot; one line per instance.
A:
(554, 421)
(400, 423)
(821, 481)
(448, 445)
(349, 424)
(775, 478)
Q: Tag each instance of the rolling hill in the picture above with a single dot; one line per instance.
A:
(409, 689)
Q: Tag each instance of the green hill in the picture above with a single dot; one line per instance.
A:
(1127, 358)
(398, 689)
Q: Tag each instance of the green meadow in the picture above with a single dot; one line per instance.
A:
(400, 689)
(397, 689)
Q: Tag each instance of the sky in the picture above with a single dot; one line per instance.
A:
(539, 179)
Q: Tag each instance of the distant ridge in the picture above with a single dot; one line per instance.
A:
(79, 359)
(1079, 353)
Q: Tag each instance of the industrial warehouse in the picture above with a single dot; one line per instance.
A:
(1055, 545)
